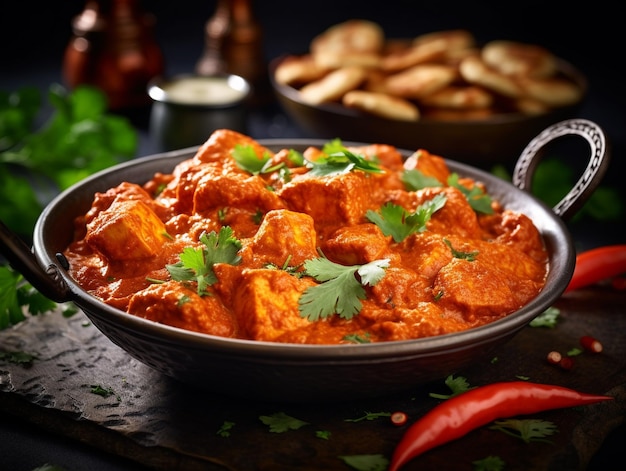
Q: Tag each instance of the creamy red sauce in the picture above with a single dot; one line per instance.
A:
(124, 242)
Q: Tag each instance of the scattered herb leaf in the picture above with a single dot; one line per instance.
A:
(370, 416)
(323, 434)
(457, 385)
(469, 256)
(20, 358)
(49, 467)
(490, 463)
(15, 294)
(101, 391)
(224, 430)
(366, 462)
(281, 422)
(574, 352)
(547, 318)
(528, 430)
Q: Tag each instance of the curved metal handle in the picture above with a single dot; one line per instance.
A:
(48, 282)
(589, 180)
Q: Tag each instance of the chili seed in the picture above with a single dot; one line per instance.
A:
(398, 418)
(590, 344)
(554, 357)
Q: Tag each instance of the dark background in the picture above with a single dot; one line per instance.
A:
(33, 36)
(589, 35)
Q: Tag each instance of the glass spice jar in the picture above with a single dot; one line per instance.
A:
(234, 45)
(113, 47)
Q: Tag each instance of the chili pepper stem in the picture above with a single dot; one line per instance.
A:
(461, 414)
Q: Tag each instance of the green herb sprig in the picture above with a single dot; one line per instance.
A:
(78, 139)
(339, 291)
(196, 264)
(399, 223)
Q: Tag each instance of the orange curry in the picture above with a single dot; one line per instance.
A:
(459, 269)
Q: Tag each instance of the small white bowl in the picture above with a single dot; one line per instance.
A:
(188, 108)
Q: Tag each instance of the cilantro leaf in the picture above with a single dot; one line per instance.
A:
(78, 139)
(339, 291)
(375, 462)
(101, 390)
(369, 416)
(196, 264)
(469, 256)
(476, 197)
(20, 358)
(10, 309)
(247, 159)
(416, 180)
(281, 422)
(457, 386)
(224, 430)
(338, 160)
(478, 200)
(547, 318)
(528, 430)
(356, 338)
(397, 222)
(489, 463)
(16, 294)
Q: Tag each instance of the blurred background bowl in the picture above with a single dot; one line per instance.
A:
(480, 142)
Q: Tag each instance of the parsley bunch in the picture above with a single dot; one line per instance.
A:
(16, 294)
(37, 162)
(78, 139)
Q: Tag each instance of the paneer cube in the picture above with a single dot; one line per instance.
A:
(333, 201)
(265, 303)
(284, 236)
(221, 191)
(127, 230)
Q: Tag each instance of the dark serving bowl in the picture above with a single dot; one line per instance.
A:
(478, 142)
(290, 372)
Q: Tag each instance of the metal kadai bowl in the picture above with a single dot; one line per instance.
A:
(294, 372)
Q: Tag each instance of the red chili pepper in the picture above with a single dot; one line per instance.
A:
(598, 264)
(461, 414)
(398, 418)
(554, 357)
(566, 363)
(591, 344)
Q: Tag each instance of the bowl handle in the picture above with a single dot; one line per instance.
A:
(591, 177)
(48, 282)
